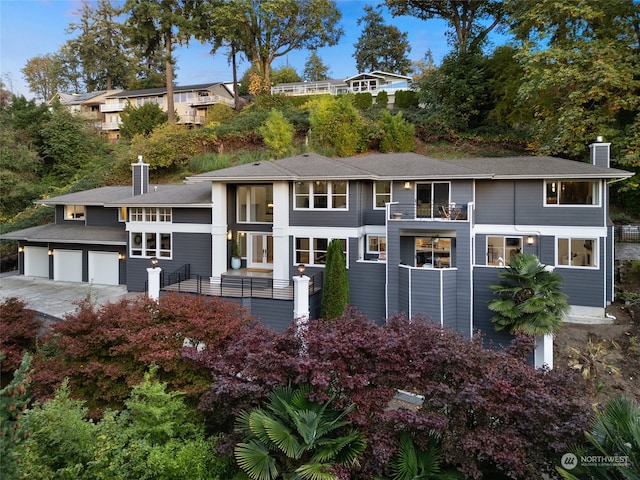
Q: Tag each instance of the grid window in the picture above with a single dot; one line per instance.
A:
(313, 251)
(150, 214)
(150, 244)
(381, 194)
(322, 195)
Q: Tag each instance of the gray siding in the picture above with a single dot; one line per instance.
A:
(276, 314)
(191, 215)
(334, 218)
(103, 217)
(366, 287)
(483, 277)
(522, 203)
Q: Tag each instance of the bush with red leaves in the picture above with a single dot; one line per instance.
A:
(494, 415)
(18, 333)
(106, 350)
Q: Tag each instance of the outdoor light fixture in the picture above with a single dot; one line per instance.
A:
(50, 252)
(20, 249)
(121, 256)
(301, 269)
(407, 185)
(229, 234)
(154, 262)
(530, 240)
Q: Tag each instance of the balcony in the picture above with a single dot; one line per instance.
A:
(111, 125)
(428, 212)
(112, 107)
(312, 88)
(211, 100)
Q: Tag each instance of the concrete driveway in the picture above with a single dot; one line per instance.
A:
(57, 298)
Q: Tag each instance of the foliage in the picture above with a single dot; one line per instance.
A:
(382, 99)
(268, 29)
(169, 146)
(295, 437)
(335, 291)
(528, 299)
(381, 47)
(277, 133)
(18, 332)
(209, 162)
(105, 350)
(14, 399)
(580, 62)
(411, 462)
(470, 22)
(335, 122)
(314, 69)
(284, 74)
(405, 99)
(592, 362)
(614, 434)
(363, 100)
(398, 134)
(478, 400)
(141, 120)
(42, 74)
(157, 437)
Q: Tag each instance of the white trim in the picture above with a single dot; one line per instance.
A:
(162, 227)
(540, 230)
(375, 194)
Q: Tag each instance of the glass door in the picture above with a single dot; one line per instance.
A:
(261, 250)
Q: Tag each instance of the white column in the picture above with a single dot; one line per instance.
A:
(219, 226)
(281, 253)
(153, 280)
(543, 354)
(301, 298)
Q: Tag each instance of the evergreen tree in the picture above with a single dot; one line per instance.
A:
(381, 47)
(314, 69)
(335, 292)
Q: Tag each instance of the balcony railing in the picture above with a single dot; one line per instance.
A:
(112, 107)
(428, 211)
(211, 99)
(111, 125)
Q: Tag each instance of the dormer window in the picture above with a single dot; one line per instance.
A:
(74, 212)
(572, 192)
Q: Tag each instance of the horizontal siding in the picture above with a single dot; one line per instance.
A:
(275, 314)
(425, 294)
(483, 277)
(191, 215)
(366, 289)
(585, 287)
(103, 217)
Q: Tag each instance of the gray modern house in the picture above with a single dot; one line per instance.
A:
(420, 235)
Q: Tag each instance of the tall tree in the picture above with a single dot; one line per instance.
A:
(335, 294)
(381, 47)
(100, 47)
(268, 29)
(581, 63)
(314, 69)
(471, 21)
(159, 25)
(43, 76)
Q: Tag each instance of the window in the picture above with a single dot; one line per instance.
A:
(500, 250)
(321, 195)
(313, 251)
(255, 203)
(150, 244)
(572, 192)
(74, 212)
(381, 194)
(377, 244)
(433, 252)
(150, 214)
(432, 199)
(122, 214)
(577, 252)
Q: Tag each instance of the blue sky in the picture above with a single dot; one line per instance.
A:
(31, 28)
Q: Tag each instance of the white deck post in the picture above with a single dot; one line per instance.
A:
(153, 274)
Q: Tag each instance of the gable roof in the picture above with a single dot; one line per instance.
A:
(406, 166)
(162, 90)
(378, 74)
(97, 196)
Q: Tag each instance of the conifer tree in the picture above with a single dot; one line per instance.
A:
(335, 295)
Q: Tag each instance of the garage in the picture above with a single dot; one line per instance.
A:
(36, 262)
(104, 268)
(67, 265)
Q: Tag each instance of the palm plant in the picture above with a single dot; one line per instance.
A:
(294, 438)
(615, 436)
(529, 299)
(413, 463)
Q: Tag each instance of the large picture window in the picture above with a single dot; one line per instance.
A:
(381, 194)
(255, 204)
(321, 195)
(500, 250)
(150, 244)
(568, 192)
(313, 251)
(577, 252)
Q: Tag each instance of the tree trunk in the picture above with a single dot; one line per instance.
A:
(169, 79)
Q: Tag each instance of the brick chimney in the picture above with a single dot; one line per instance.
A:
(600, 153)
(140, 178)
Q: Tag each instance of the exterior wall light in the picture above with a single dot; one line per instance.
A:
(229, 234)
(531, 240)
(50, 252)
(407, 185)
(20, 249)
(154, 262)
(121, 256)
(301, 269)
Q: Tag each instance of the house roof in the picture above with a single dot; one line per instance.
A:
(378, 74)
(174, 195)
(70, 234)
(96, 196)
(162, 90)
(406, 166)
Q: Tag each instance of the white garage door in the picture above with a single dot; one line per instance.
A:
(104, 268)
(67, 265)
(36, 262)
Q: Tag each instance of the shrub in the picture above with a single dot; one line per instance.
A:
(277, 133)
(18, 332)
(363, 100)
(406, 99)
(398, 135)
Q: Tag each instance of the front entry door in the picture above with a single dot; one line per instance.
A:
(261, 250)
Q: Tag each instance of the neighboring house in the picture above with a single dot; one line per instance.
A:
(421, 236)
(87, 105)
(372, 82)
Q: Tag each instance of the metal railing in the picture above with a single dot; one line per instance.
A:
(627, 233)
(429, 211)
(178, 275)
